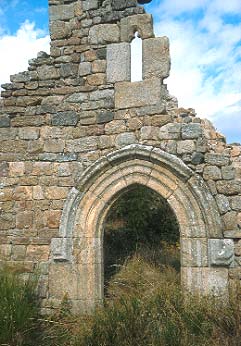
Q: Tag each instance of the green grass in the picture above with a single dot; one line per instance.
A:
(18, 309)
(145, 307)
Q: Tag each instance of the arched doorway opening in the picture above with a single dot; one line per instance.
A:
(140, 223)
(77, 254)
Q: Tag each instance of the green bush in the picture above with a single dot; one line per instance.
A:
(18, 309)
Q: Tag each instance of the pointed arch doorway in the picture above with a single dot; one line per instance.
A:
(77, 255)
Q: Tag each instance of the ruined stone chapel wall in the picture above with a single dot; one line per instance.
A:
(75, 108)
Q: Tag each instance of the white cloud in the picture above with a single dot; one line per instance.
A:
(205, 51)
(206, 56)
(228, 121)
(17, 49)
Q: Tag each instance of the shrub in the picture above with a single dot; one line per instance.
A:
(18, 309)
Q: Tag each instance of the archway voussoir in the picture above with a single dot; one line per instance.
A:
(162, 187)
(91, 173)
(109, 192)
(207, 205)
(173, 163)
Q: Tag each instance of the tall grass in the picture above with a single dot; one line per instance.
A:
(18, 309)
(147, 307)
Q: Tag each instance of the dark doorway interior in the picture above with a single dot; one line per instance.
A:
(140, 222)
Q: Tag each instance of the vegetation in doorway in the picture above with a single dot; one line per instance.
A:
(140, 221)
(145, 307)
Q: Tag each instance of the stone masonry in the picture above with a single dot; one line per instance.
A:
(75, 132)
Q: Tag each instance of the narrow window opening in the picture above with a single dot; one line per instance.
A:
(136, 58)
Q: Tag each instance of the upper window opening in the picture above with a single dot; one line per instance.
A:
(136, 58)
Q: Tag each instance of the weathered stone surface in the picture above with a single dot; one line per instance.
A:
(56, 192)
(28, 133)
(5, 252)
(197, 158)
(19, 252)
(206, 280)
(37, 253)
(77, 98)
(102, 95)
(46, 72)
(90, 5)
(59, 29)
(194, 253)
(116, 126)
(96, 79)
(185, 147)
(87, 118)
(141, 23)
(84, 68)
(221, 252)
(235, 234)
(54, 146)
(223, 203)
(38, 193)
(118, 62)
(82, 144)
(191, 131)
(229, 187)
(4, 121)
(22, 193)
(68, 69)
(228, 173)
(217, 159)
(156, 58)
(98, 66)
(68, 118)
(24, 219)
(16, 169)
(104, 117)
(62, 12)
(149, 132)
(170, 131)
(212, 172)
(140, 93)
(125, 139)
(3, 169)
(134, 123)
(235, 203)
(123, 4)
(104, 33)
(230, 220)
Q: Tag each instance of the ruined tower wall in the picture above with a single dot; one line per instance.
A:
(78, 105)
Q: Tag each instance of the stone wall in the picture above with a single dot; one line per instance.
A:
(76, 106)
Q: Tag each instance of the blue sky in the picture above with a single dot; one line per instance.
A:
(205, 38)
